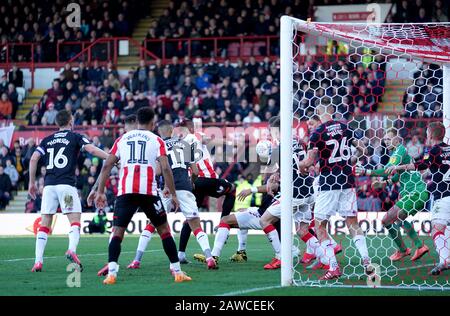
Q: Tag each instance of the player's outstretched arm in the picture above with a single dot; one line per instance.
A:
(94, 150)
(91, 197)
(360, 147)
(246, 192)
(32, 189)
(168, 179)
(194, 170)
(410, 166)
(104, 174)
(383, 172)
(309, 161)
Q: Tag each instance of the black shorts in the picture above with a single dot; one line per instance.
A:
(211, 187)
(128, 204)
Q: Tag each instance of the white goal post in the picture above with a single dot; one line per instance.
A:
(435, 50)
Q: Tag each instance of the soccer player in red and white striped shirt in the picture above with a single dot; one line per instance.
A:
(138, 152)
(207, 183)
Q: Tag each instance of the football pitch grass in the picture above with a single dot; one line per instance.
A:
(153, 278)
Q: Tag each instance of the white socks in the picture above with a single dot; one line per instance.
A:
(361, 245)
(274, 239)
(242, 235)
(441, 243)
(74, 236)
(175, 267)
(144, 239)
(328, 257)
(181, 255)
(113, 268)
(221, 237)
(41, 242)
(203, 241)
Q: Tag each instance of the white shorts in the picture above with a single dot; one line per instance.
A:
(188, 204)
(301, 208)
(63, 195)
(440, 213)
(328, 203)
(248, 219)
(316, 187)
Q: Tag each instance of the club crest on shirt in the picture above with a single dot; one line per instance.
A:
(68, 201)
(393, 160)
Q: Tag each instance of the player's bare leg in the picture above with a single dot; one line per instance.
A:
(393, 220)
(202, 239)
(144, 239)
(267, 220)
(74, 238)
(441, 244)
(41, 241)
(360, 243)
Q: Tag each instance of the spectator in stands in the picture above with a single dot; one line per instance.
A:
(54, 91)
(5, 188)
(131, 83)
(13, 96)
(203, 80)
(6, 107)
(4, 155)
(49, 116)
(11, 171)
(251, 118)
(3, 84)
(33, 115)
(15, 76)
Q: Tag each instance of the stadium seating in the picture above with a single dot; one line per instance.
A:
(208, 105)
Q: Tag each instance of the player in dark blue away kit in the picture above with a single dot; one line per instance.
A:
(60, 151)
(181, 158)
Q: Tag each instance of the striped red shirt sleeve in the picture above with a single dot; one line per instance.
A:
(162, 147)
(114, 150)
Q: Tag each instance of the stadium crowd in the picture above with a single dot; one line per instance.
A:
(44, 24)
(219, 93)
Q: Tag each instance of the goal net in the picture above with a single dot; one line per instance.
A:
(377, 78)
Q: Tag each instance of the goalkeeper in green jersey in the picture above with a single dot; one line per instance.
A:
(413, 193)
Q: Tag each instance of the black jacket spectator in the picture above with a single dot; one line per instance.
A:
(15, 76)
(5, 189)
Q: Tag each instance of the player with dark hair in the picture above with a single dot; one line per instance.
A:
(181, 158)
(330, 145)
(437, 160)
(130, 124)
(60, 151)
(139, 150)
(207, 183)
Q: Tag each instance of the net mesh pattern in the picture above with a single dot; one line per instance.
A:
(377, 78)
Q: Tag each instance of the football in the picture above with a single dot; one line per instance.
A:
(264, 149)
